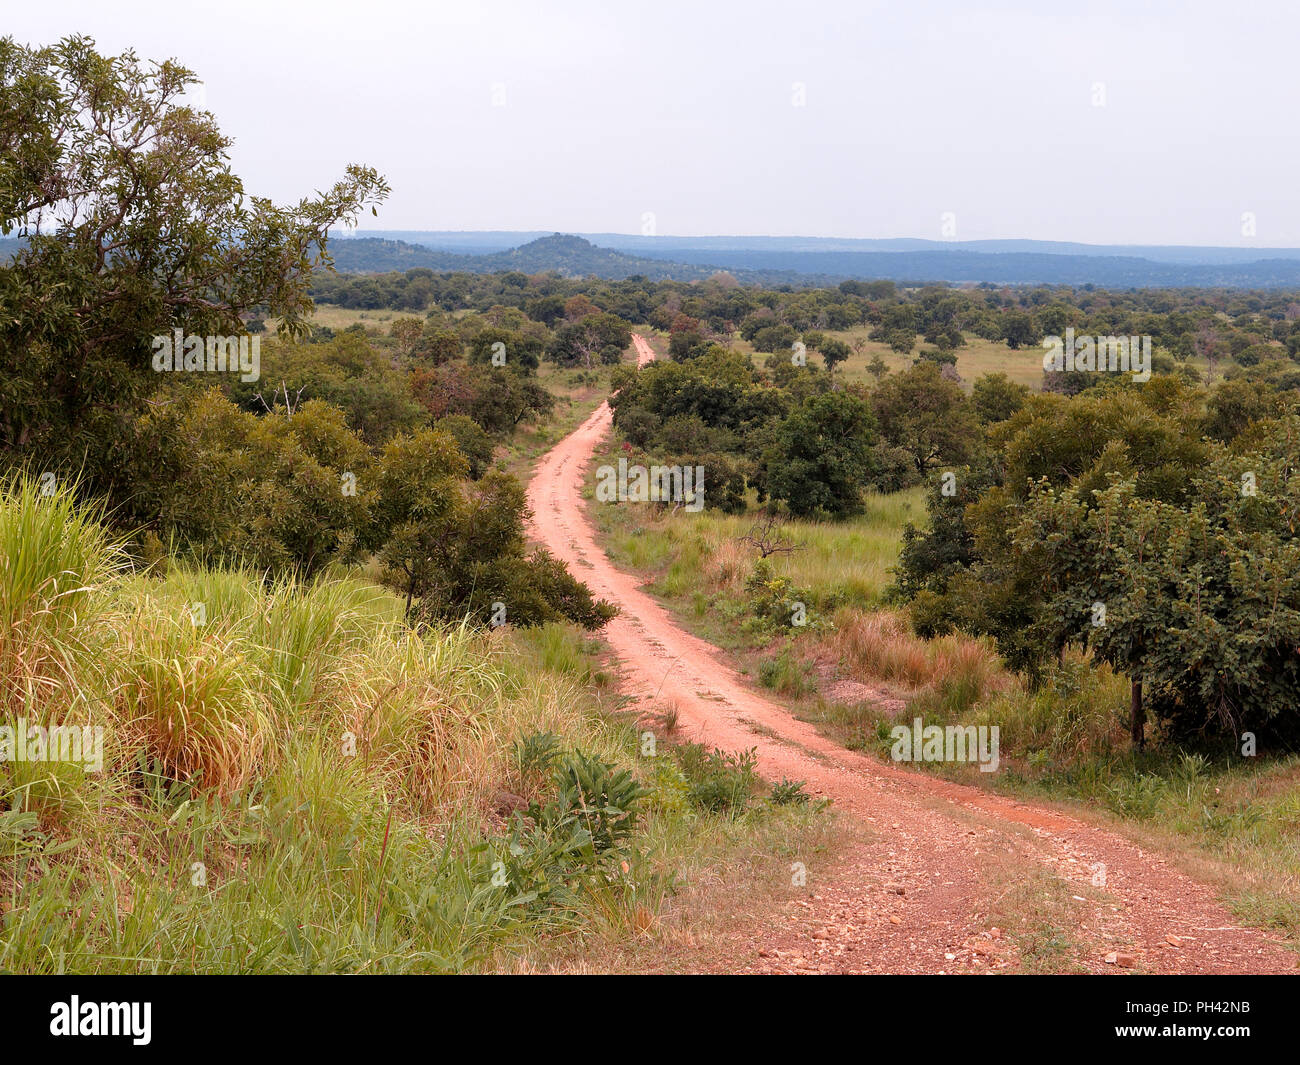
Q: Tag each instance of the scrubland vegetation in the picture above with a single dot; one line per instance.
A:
(334, 714)
(1104, 569)
(353, 721)
(292, 780)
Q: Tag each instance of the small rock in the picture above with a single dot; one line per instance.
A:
(1125, 961)
(1173, 941)
(995, 933)
(950, 957)
(1111, 958)
(895, 919)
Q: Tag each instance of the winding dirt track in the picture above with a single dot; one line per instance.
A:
(914, 894)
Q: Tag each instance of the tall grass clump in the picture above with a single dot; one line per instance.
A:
(293, 780)
(947, 675)
(188, 701)
(53, 556)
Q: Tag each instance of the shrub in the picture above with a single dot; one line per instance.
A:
(788, 793)
(720, 782)
(772, 598)
(579, 837)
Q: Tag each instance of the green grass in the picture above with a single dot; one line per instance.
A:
(294, 782)
(978, 357)
(698, 563)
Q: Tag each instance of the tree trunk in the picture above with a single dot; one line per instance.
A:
(1137, 717)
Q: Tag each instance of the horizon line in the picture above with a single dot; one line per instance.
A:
(352, 234)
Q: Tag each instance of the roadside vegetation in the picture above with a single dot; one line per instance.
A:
(857, 669)
(291, 780)
(971, 598)
(283, 687)
(354, 721)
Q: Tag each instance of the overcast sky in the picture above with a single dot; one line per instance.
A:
(1097, 121)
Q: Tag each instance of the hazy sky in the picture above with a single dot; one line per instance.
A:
(1105, 122)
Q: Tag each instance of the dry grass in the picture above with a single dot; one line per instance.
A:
(881, 646)
(727, 566)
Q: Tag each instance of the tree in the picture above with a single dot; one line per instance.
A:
(686, 338)
(347, 372)
(502, 398)
(495, 346)
(901, 341)
(418, 517)
(996, 397)
(833, 352)
(821, 456)
(286, 492)
(1018, 328)
(928, 417)
(966, 569)
(134, 225)
(579, 307)
(1208, 346)
(777, 337)
(455, 549)
(768, 537)
(407, 332)
(596, 338)
(474, 443)
(1199, 604)
(439, 345)
(498, 398)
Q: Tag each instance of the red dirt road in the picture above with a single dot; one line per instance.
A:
(913, 895)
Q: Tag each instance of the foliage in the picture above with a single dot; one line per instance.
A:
(720, 781)
(929, 417)
(1201, 600)
(121, 244)
(820, 459)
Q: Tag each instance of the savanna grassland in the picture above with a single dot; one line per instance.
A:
(856, 668)
(265, 542)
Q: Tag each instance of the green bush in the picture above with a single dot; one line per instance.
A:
(788, 793)
(579, 837)
(773, 599)
(719, 782)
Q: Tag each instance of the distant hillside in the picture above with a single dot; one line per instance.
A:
(481, 242)
(567, 255)
(808, 261)
(817, 260)
(1008, 268)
